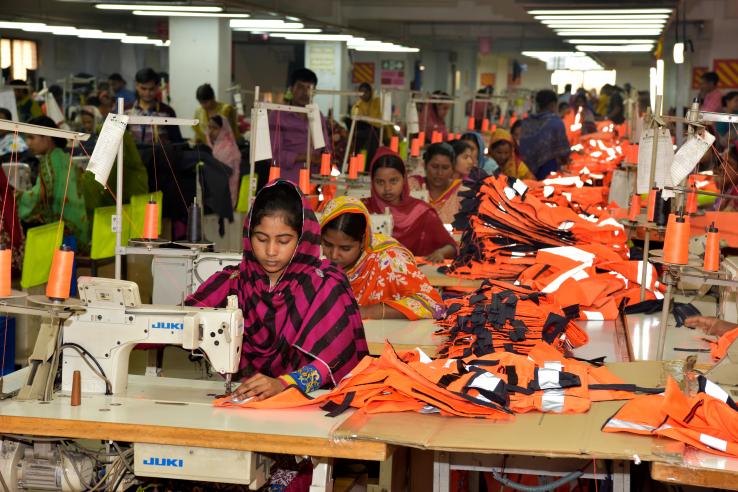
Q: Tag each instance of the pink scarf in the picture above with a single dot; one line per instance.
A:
(226, 151)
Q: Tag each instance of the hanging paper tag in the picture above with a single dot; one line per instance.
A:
(316, 126)
(387, 106)
(664, 158)
(107, 147)
(52, 109)
(260, 140)
(689, 155)
(411, 113)
(238, 102)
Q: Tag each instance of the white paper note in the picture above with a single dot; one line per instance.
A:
(387, 106)
(411, 115)
(7, 100)
(316, 126)
(664, 158)
(52, 108)
(107, 147)
(260, 137)
(689, 155)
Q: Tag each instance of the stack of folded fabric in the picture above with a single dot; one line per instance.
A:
(494, 386)
(502, 317)
(505, 225)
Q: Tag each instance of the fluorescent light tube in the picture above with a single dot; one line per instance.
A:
(179, 8)
(169, 13)
(626, 48)
(599, 11)
(265, 24)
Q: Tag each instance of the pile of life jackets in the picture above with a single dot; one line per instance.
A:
(708, 420)
(493, 386)
(593, 277)
(505, 225)
(584, 192)
(502, 317)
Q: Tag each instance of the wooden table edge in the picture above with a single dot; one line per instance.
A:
(178, 436)
(676, 473)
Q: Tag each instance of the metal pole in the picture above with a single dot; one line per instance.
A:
(253, 179)
(651, 180)
(664, 316)
(348, 145)
(118, 219)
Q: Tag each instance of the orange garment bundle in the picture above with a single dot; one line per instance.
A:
(502, 317)
(591, 276)
(505, 225)
(707, 420)
(575, 191)
(494, 386)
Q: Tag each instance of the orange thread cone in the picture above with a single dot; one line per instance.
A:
(692, 202)
(415, 148)
(493, 128)
(676, 240)
(450, 137)
(485, 125)
(151, 221)
(421, 137)
(362, 162)
(458, 136)
(6, 255)
(651, 208)
(274, 173)
(635, 207)
(471, 123)
(60, 276)
(325, 164)
(395, 143)
(712, 250)
(353, 167)
(305, 181)
(513, 119)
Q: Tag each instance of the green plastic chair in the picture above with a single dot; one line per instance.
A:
(138, 212)
(242, 205)
(103, 238)
(41, 242)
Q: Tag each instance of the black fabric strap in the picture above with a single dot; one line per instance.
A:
(334, 410)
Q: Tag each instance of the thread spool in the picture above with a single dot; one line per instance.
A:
(421, 137)
(712, 250)
(151, 221)
(676, 240)
(194, 223)
(662, 211)
(436, 137)
(60, 276)
(6, 256)
(651, 206)
(325, 164)
(458, 136)
(471, 123)
(395, 143)
(362, 162)
(691, 206)
(76, 399)
(493, 128)
(274, 173)
(485, 125)
(450, 137)
(513, 119)
(635, 207)
(305, 181)
(415, 147)
(353, 167)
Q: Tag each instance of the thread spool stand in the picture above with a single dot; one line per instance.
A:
(195, 238)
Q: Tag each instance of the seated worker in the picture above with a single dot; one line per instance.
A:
(223, 144)
(27, 107)
(210, 107)
(382, 273)
(479, 152)
(432, 116)
(416, 224)
(118, 89)
(503, 150)
(464, 158)
(10, 142)
(367, 134)
(443, 188)
(302, 325)
(43, 203)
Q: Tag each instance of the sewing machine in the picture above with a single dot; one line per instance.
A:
(114, 321)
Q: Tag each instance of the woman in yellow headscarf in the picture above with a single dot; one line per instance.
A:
(383, 275)
(502, 150)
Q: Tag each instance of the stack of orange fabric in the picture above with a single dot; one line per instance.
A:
(502, 317)
(505, 225)
(494, 386)
(593, 277)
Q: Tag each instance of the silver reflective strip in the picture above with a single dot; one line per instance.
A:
(622, 424)
(548, 379)
(714, 442)
(715, 391)
(554, 364)
(553, 401)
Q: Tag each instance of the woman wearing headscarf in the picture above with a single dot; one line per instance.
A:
(503, 150)
(383, 275)
(440, 180)
(220, 138)
(479, 152)
(301, 322)
(433, 116)
(416, 224)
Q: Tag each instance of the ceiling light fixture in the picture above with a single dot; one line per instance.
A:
(611, 41)
(609, 32)
(596, 22)
(627, 48)
(314, 37)
(678, 53)
(594, 16)
(167, 13)
(178, 8)
(261, 30)
(599, 11)
(265, 24)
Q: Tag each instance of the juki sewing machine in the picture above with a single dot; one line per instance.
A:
(98, 337)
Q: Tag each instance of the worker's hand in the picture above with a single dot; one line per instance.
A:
(258, 387)
(709, 325)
